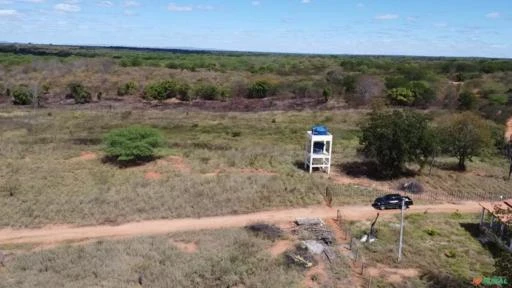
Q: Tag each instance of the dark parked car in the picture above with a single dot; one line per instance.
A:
(391, 201)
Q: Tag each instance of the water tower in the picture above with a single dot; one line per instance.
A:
(318, 149)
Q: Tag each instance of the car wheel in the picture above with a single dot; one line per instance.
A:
(382, 207)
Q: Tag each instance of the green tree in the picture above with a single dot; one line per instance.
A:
(423, 94)
(21, 95)
(464, 136)
(132, 144)
(401, 96)
(396, 138)
(467, 101)
(78, 92)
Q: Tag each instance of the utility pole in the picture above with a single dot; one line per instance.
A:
(401, 231)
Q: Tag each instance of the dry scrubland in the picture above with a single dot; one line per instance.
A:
(441, 248)
(214, 164)
(227, 258)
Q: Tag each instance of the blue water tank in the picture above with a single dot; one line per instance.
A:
(319, 130)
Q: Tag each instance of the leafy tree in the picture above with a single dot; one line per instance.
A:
(465, 135)
(132, 144)
(396, 138)
(78, 92)
(21, 95)
(467, 101)
(401, 96)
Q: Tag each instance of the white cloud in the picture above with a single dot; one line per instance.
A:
(105, 4)
(255, 3)
(67, 7)
(387, 17)
(493, 15)
(131, 4)
(306, 1)
(204, 7)
(411, 18)
(32, 1)
(177, 8)
(173, 7)
(8, 12)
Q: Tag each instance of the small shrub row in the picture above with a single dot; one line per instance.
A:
(167, 89)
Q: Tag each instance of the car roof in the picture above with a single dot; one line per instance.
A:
(393, 195)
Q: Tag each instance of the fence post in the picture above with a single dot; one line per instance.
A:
(363, 265)
(370, 282)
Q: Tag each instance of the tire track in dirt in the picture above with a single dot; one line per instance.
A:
(68, 233)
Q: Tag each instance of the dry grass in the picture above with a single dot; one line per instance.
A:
(441, 246)
(235, 163)
(228, 258)
(44, 182)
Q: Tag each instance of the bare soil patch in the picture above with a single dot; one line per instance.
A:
(152, 175)
(177, 162)
(280, 246)
(185, 246)
(86, 156)
(392, 275)
(316, 275)
(363, 182)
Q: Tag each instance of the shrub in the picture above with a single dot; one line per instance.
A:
(208, 92)
(412, 186)
(165, 90)
(21, 95)
(499, 99)
(423, 94)
(78, 92)
(401, 96)
(132, 144)
(128, 88)
(261, 89)
(467, 101)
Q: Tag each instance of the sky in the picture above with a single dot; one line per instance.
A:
(390, 27)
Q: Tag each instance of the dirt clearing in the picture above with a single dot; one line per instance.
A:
(63, 233)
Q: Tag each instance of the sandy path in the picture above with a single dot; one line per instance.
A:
(508, 131)
(68, 233)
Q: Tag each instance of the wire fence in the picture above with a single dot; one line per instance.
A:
(356, 194)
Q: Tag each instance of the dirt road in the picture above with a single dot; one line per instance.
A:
(67, 233)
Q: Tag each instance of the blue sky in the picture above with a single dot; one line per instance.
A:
(397, 27)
